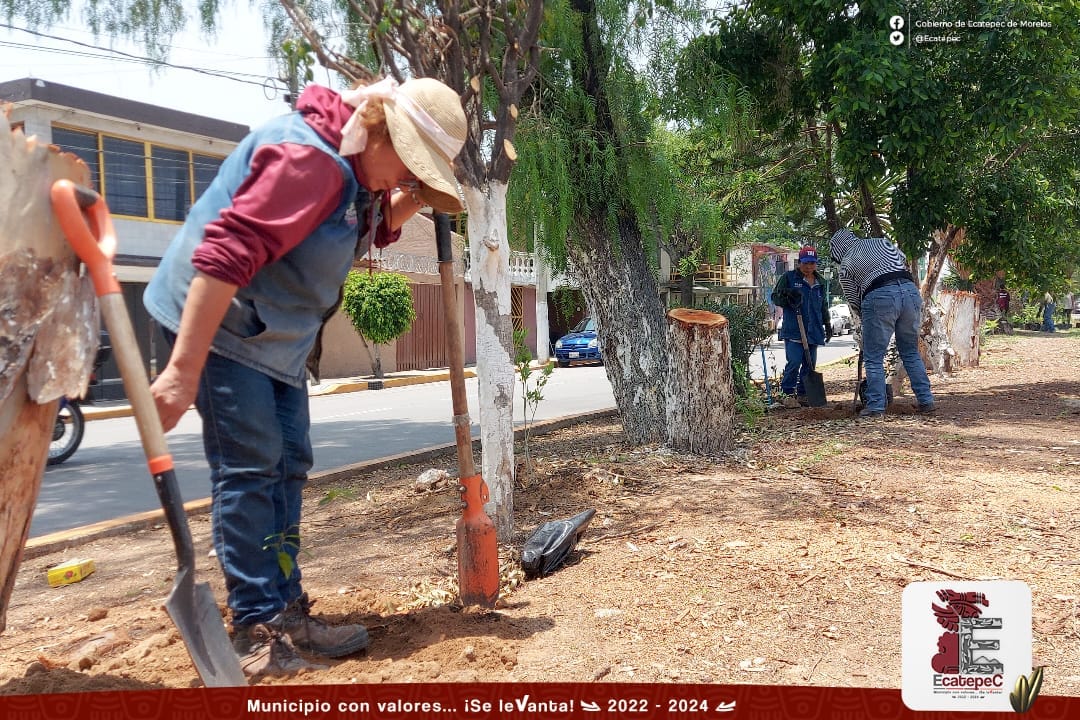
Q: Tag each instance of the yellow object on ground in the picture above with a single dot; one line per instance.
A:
(69, 572)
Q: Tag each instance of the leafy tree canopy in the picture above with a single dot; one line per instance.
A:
(971, 130)
(149, 23)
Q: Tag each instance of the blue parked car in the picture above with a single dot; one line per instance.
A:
(579, 344)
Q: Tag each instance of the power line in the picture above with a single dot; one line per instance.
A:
(226, 74)
(260, 80)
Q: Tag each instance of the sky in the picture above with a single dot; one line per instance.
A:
(239, 48)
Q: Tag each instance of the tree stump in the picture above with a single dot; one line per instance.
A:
(699, 389)
(48, 330)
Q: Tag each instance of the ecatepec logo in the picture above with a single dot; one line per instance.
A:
(965, 644)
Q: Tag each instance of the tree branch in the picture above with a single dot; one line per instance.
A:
(828, 196)
(329, 59)
(867, 202)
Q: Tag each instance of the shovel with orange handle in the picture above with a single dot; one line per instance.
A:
(477, 543)
(191, 607)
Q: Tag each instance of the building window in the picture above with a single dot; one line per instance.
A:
(82, 144)
(125, 176)
(204, 168)
(139, 179)
(172, 189)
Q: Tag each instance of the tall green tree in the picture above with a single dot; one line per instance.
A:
(603, 190)
(965, 126)
(943, 146)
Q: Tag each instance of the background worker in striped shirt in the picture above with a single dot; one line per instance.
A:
(879, 289)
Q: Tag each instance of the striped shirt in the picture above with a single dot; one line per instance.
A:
(861, 262)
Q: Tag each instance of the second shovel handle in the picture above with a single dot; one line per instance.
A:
(805, 344)
(454, 348)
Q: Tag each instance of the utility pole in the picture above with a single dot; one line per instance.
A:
(298, 62)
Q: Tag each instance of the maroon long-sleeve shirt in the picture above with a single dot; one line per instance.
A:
(290, 191)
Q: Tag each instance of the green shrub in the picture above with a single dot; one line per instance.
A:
(952, 281)
(748, 328)
(380, 307)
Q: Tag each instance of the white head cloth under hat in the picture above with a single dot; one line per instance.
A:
(427, 128)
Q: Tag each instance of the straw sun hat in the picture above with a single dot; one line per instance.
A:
(429, 158)
(427, 128)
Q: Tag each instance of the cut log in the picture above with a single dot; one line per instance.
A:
(699, 388)
(48, 330)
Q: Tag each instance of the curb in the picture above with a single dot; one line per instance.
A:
(64, 539)
(838, 360)
(347, 386)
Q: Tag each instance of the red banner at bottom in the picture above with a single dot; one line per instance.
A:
(519, 701)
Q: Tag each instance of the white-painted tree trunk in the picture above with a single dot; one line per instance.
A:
(543, 342)
(621, 294)
(489, 250)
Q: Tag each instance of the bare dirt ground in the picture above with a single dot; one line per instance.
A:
(781, 563)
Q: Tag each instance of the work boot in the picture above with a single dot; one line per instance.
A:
(803, 401)
(265, 650)
(312, 635)
(868, 414)
(790, 402)
(927, 409)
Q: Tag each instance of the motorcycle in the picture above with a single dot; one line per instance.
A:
(67, 431)
(70, 423)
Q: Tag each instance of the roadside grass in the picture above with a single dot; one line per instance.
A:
(822, 452)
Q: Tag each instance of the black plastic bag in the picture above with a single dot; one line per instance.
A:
(552, 542)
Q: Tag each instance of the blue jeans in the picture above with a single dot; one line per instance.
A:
(257, 442)
(1048, 318)
(893, 308)
(791, 383)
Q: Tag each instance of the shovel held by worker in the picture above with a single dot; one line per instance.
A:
(477, 542)
(814, 383)
(191, 607)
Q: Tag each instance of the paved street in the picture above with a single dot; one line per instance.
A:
(107, 478)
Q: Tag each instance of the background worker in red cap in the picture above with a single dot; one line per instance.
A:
(242, 293)
(801, 291)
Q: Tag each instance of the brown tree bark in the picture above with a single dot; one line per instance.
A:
(622, 294)
(942, 242)
(828, 191)
(700, 395)
(47, 341)
(869, 209)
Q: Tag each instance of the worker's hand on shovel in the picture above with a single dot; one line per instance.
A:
(173, 394)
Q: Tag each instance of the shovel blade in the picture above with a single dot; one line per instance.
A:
(814, 384)
(478, 562)
(195, 614)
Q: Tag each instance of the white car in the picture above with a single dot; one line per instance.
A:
(840, 319)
